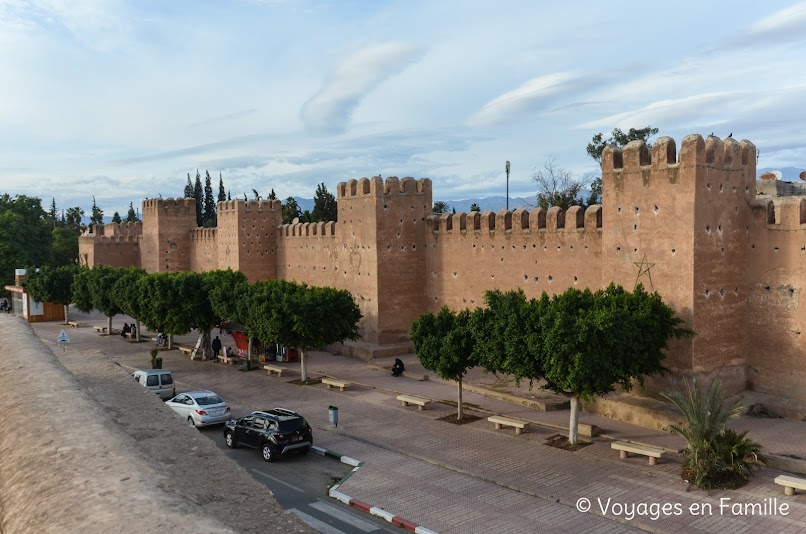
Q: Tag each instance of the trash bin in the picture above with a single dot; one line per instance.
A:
(333, 415)
(158, 363)
(247, 365)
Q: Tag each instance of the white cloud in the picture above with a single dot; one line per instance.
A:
(785, 20)
(532, 95)
(331, 108)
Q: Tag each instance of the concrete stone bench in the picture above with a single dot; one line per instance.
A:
(185, 350)
(334, 382)
(100, 329)
(421, 402)
(74, 324)
(790, 483)
(231, 360)
(275, 369)
(625, 448)
(508, 421)
(587, 430)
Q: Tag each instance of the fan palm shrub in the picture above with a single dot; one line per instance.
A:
(715, 456)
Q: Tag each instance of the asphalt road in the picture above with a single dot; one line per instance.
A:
(300, 484)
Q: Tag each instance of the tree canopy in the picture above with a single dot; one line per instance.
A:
(557, 186)
(440, 206)
(25, 235)
(325, 208)
(444, 344)
(290, 210)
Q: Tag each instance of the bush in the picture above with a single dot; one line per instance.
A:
(715, 456)
(154, 353)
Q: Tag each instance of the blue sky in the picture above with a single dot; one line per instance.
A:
(121, 99)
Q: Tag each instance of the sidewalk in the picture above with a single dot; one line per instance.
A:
(472, 478)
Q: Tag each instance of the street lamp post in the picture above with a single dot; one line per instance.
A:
(507, 167)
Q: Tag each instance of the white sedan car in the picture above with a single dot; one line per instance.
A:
(201, 408)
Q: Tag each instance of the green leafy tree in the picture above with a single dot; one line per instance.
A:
(74, 218)
(53, 213)
(222, 194)
(209, 203)
(556, 186)
(102, 280)
(474, 207)
(290, 210)
(444, 344)
(52, 284)
(440, 207)
(82, 294)
(715, 456)
(65, 246)
(189, 190)
(127, 297)
(198, 195)
(116, 218)
(131, 216)
(617, 138)
(296, 315)
(97, 217)
(176, 303)
(325, 208)
(593, 342)
(25, 235)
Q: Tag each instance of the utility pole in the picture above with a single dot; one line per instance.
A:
(507, 167)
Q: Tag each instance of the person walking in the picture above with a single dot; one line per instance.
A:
(216, 347)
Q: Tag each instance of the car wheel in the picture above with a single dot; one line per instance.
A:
(191, 423)
(230, 438)
(268, 455)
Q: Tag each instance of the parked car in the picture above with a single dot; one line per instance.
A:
(274, 432)
(160, 381)
(201, 408)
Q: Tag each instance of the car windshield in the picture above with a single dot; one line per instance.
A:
(292, 424)
(208, 399)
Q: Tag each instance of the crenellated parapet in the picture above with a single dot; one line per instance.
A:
(168, 203)
(376, 187)
(112, 240)
(520, 221)
(785, 213)
(121, 228)
(635, 159)
(317, 229)
(248, 206)
(203, 234)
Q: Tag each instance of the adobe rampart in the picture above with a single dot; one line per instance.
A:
(686, 224)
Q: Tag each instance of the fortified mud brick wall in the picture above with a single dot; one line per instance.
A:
(677, 226)
(167, 225)
(776, 252)
(247, 237)
(307, 252)
(112, 244)
(402, 207)
(469, 253)
(203, 250)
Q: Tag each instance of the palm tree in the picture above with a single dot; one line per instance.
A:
(715, 455)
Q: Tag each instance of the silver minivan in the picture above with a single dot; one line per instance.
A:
(159, 381)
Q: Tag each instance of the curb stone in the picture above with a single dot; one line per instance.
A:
(334, 493)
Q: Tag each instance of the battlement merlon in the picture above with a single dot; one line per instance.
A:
(694, 151)
(168, 203)
(203, 233)
(107, 240)
(520, 221)
(318, 229)
(376, 187)
(239, 205)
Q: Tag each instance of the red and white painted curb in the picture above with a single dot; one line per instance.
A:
(374, 510)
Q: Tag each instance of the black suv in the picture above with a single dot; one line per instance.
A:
(274, 432)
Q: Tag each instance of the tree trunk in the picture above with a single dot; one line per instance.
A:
(66, 313)
(109, 324)
(207, 349)
(249, 349)
(573, 431)
(460, 413)
(137, 334)
(170, 341)
(303, 364)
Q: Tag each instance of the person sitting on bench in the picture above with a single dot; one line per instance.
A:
(126, 329)
(397, 368)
